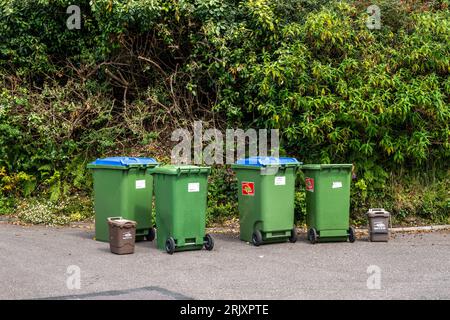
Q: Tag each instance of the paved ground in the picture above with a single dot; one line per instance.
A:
(34, 262)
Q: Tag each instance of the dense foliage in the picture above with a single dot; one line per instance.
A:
(137, 69)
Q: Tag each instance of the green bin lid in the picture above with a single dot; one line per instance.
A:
(326, 166)
(181, 169)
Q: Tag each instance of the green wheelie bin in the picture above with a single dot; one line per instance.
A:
(123, 187)
(266, 189)
(328, 202)
(180, 203)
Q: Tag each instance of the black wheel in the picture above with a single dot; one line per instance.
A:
(151, 234)
(257, 238)
(351, 234)
(170, 246)
(312, 235)
(293, 237)
(208, 242)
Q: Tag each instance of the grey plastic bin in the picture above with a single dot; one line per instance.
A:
(378, 224)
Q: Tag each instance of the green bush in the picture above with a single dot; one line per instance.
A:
(6, 205)
(136, 70)
(222, 195)
(340, 92)
(300, 207)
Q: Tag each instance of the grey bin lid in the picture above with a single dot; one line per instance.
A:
(378, 212)
(122, 223)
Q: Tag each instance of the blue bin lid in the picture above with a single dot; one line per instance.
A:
(124, 162)
(267, 161)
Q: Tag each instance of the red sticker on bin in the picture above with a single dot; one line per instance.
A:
(309, 183)
(248, 188)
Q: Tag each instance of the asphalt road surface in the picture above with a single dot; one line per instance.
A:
(43, 263)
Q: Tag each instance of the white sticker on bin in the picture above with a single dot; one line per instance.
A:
(379, 226)
(337, 184)
(280, 181)
(127, 236)
(140, 184)
(194, 187)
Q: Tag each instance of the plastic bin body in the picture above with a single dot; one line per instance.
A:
(180, 203)
(266, 191)
(122, 235)
(328, 200)
(378, 224)
(123, 187)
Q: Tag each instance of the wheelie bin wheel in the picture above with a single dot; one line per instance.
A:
(351, 234)
(312, 235)
(151, 234)
(209, 242)
(293, 237)
(257, 238)
(170, 245)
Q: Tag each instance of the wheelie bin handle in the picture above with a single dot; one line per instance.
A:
(284, 166)
(189, 170)
(126, 164)
(377, 211)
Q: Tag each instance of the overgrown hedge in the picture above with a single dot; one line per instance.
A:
(136, 70)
